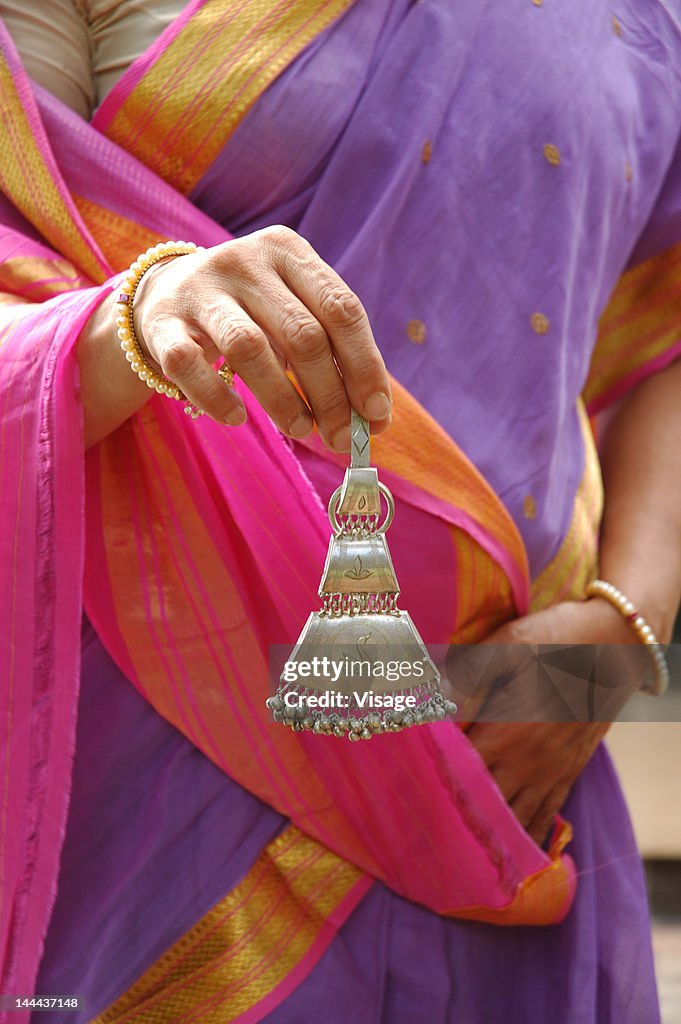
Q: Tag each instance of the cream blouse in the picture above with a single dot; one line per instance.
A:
(78, 49)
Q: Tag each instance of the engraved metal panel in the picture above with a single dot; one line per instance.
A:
(359, 493)
(362, 640)
(358, 566)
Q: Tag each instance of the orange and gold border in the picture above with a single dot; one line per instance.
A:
(119, 238)
(249, 943)
(576, 562)
(641, 322)
(543, 898)
(28, 181)
(38, 278)
(439, 467)
(224, 58)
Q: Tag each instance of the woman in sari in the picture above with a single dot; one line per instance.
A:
(499, 185)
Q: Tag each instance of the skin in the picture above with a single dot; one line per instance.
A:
(267, 302)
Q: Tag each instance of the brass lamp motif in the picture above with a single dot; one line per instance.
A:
(340, 677)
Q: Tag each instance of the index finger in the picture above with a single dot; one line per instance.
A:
(343, 317)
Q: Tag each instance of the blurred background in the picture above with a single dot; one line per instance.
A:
(648, 759)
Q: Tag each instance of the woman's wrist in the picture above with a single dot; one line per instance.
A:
(143, 289)
(655, 598)
(640, 627)
(109, 393)
(609, 622)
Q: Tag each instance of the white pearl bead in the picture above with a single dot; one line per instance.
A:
(643, 631)
(124, 323)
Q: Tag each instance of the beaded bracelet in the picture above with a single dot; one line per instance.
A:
(125, 325)
(611, 593)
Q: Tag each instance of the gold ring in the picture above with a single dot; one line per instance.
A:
(227, 374)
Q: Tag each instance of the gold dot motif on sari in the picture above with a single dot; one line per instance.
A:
(540, 323)
(628, 175)
(529, 507)
(416, 331)
(537, 3)
(552, 154)
(616, 27)
(427, 151)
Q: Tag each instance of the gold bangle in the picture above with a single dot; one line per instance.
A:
(125, 326)
(644, 632)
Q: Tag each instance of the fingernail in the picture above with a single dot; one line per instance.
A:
(300, 426)
(340, 441)
(235, 417)
(378, 406)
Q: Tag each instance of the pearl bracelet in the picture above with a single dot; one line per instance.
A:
(611, 593)
(125, 325)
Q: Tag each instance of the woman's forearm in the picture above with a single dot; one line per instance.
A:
(110, 393)
(641, 533)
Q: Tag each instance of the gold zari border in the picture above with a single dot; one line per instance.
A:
(27, 181)
(576, 562)
(641, 322)
(247, 944)
(190, 101)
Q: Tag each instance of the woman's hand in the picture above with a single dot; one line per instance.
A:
(535, 762)
(267, 303)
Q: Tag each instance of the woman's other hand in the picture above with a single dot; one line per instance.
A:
(536, 762)
(267, 303)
